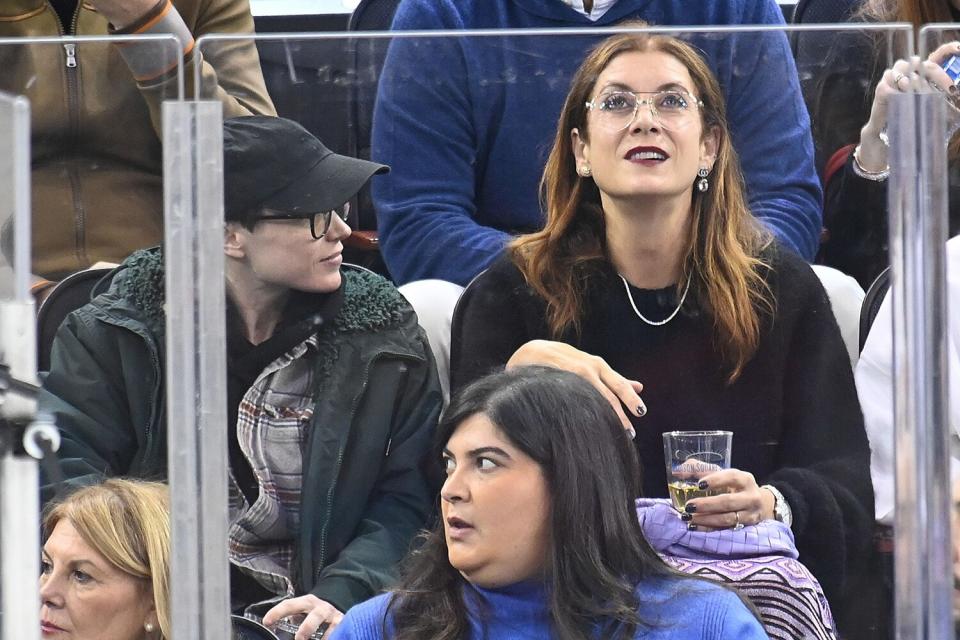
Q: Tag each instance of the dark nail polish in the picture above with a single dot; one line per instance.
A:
(686, 517)
(691, 527)
(702, 485)
(690, 508)
(642, 410)
(953, 89)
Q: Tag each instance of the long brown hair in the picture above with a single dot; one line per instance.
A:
(723, 256)
(916, 12)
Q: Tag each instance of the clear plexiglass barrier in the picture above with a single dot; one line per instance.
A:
(19, 563)
(467, 120)
(284, 474)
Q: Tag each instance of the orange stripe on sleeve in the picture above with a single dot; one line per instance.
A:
(157, 18)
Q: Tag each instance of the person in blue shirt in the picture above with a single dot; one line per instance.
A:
(539, 536)
(466, 123)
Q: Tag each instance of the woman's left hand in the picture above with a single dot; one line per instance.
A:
(745, 503)
(317, 612)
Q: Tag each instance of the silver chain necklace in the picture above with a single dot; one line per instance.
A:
(659, 323)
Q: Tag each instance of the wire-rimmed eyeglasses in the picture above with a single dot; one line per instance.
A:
(319, 222)
(617, 109)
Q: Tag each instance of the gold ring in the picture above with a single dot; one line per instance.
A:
(897, 78)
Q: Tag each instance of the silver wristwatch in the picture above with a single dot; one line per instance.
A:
(781, 508)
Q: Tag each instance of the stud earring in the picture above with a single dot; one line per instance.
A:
(148, 627)
(702, 183)
(585, 171)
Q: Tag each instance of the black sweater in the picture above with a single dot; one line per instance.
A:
(794, 411)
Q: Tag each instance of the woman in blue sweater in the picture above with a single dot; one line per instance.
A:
(539, 536)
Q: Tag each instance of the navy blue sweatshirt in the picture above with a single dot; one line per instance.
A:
(467, 123)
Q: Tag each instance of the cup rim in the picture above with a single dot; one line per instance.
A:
(693, 434)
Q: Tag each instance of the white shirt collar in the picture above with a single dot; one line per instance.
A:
(600, 7)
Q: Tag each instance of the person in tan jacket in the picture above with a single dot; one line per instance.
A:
(97, 162)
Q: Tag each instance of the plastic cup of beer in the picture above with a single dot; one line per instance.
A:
(690, 456)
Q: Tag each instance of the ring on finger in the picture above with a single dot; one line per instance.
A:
(897, 78)
(739, 524)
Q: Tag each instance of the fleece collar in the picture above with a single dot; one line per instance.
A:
(370, 302)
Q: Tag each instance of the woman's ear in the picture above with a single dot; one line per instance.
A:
(710, 146)
(234, 239)
(581, 149)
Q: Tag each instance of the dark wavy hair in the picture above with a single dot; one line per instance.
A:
(598, 552)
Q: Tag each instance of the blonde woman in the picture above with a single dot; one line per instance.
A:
(651, 276)
(106, 564)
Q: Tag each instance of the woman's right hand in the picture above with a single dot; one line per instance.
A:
(618, 391)
(901, 77)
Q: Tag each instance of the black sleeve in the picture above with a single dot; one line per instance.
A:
(855, 216)
(490, 323)
(824, 456)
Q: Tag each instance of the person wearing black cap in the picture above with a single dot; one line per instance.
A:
(332, 390)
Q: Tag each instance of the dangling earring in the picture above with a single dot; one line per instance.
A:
(702, 183)
(585, 171)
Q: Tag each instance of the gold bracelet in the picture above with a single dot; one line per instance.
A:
(876, 176)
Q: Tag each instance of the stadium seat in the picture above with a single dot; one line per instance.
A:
(69, 294)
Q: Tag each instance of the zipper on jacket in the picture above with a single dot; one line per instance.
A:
(73, 132)
(336, 476)
(73, 113)
(71, 50)
(157, 386)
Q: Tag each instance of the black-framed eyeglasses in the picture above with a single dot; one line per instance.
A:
(319, 222)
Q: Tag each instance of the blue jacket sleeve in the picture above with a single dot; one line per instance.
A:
(364, 621)
(734, 620)
(771, 133)
(422, 128)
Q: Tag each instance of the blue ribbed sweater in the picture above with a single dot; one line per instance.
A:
(466, 124)
(678, 609)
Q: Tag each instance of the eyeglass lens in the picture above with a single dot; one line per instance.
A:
(616, 110)
(320, 223)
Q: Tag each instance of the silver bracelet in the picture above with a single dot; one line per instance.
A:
(876, 176)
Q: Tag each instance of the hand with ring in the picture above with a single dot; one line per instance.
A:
(311, 614)
(742, 503)
(903, 76)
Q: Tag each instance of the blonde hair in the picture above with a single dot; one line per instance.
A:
(128, 522)
(723, 254)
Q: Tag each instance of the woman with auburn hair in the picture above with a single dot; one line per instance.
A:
(539, 536)
(652, 275)
(106, 563)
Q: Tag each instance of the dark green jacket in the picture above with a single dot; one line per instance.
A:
(377, 402)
